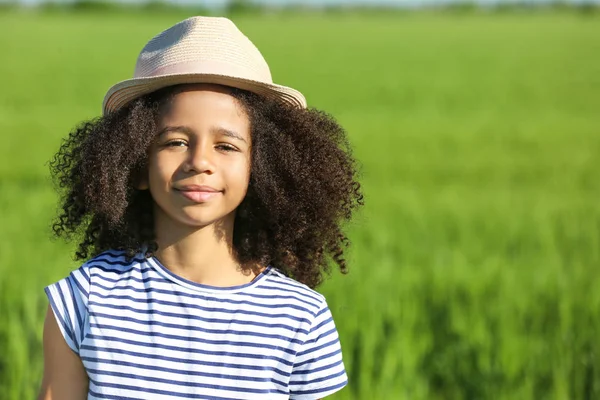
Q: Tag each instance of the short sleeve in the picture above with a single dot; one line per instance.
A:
(318, 369)
(69, 299)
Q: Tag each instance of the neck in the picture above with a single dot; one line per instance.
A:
(202, 254)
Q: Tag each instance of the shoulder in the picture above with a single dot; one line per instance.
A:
(112, 261)
(278, 281)
(108, 268)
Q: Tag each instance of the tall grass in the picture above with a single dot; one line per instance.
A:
(474, 266)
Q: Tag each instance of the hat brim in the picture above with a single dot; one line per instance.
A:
(124, 92)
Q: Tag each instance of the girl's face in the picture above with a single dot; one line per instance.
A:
(199, 163)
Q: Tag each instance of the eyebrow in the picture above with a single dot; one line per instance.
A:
(189, 131)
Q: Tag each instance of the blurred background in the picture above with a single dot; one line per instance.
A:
(474, 267)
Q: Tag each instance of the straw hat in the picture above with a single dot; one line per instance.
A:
(200, 50)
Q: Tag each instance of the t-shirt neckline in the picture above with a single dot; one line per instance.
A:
(168, 274)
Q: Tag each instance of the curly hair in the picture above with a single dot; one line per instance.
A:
(303, 186)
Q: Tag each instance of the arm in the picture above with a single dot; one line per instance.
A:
(64, 375)
(318, 368)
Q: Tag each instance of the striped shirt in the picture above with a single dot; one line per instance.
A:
(143, 332)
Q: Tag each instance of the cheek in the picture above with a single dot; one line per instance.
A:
(238, 176)
(161, 169)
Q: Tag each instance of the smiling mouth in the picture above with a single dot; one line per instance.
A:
(198, 196)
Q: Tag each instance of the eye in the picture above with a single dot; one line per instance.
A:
(176, 143)
(226, 147)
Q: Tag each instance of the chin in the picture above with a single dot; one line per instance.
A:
(200, 219)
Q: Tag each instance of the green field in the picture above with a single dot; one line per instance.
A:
(475, 263)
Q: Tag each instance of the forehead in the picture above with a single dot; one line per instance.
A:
(204, 104)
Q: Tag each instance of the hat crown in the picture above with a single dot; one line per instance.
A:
(200, 50)
(200, 41)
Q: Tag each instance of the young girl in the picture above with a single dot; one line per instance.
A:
(210, 202)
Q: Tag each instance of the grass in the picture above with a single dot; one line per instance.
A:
(474, 265)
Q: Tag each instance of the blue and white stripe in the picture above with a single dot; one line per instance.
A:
(143, 332)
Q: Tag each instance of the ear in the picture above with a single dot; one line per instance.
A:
(141, 180)
(143, 184)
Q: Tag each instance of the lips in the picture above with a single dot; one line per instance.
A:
(198, 193)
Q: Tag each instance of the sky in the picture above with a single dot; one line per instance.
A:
(407, 3)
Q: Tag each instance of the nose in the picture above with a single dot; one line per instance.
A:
(200, 159)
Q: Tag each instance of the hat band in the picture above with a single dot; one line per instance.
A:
(210, 67)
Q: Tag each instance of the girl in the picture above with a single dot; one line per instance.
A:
(209, 201)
